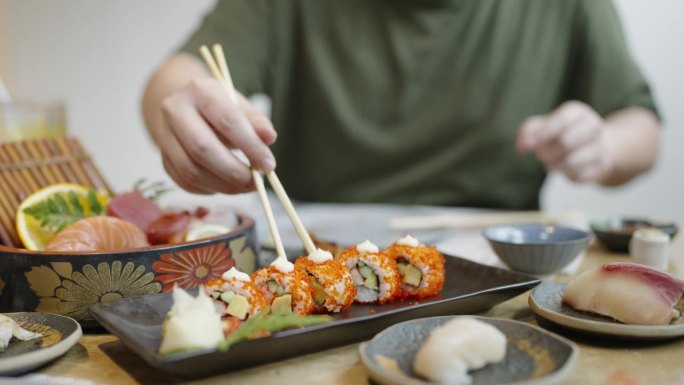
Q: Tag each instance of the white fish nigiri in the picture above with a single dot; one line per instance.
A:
(456, 347)
(9, 329)
(628, 292)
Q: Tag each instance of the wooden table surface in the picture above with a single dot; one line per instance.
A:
(102, 358)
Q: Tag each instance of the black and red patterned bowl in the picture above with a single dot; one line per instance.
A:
(68, 283)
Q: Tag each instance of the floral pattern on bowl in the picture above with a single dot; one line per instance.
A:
(69, 283)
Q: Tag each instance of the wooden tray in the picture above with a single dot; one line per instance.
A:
(29, 165)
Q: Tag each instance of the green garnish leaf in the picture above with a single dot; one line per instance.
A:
(61, 210)
(95, 206)
(152, 190)
(75, 203)
(266, 321)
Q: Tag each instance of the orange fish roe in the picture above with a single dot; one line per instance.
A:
(384, 266)
(336, 281)
(255, 297)
(295, 283)
(428, 260)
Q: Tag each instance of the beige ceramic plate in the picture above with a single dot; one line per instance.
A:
(534, 356)
(60, 333)
(545, 300)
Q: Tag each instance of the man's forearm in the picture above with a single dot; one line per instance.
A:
(171, 76)
(633, 140)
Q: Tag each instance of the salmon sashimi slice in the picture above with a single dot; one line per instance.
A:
(98, 234)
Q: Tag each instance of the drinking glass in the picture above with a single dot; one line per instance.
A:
(29, 120)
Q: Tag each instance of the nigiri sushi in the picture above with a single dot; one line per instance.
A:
(628, 292)
(9, 328)
(458, 346)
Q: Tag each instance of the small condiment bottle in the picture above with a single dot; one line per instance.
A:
(650, 247)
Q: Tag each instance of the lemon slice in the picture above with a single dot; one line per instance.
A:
(205, 231)
(31, 234)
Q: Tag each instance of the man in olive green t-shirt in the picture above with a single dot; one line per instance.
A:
(446, 102)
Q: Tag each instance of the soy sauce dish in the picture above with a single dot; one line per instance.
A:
(615, 233)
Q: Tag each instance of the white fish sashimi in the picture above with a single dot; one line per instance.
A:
(628, 292)
(456, 347)
(9, 328)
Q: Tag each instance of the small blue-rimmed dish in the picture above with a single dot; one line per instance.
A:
(537, 248)
(615, 233)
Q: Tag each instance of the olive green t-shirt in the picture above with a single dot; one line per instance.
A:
(420, 101)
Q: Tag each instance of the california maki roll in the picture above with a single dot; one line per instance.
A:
(421, 267)
(333, 289)
(237, 295)
(287, 289)
(373, 272)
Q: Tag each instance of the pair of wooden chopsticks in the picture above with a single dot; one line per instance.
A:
(219, 68)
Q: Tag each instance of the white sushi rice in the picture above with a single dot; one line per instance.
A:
(363, 293)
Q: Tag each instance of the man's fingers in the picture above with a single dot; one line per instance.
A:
(528, 133)
(180, 181)
(200, 142)
(581, 159)
(260, 122)
(551, 154)
(557, 121)
(191, 175)
(580, 133)
(229, 121)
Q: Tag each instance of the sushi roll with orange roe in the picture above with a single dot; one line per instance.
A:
(332, 284)
(287, 289)
(237, 294)
(373, 272)
(421, 267)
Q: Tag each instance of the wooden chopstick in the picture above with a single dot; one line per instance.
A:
(223, 75)
(221, 72)
(270, 219)
(481, 219)
(290, 210)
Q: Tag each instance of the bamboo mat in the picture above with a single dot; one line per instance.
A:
(29, 165)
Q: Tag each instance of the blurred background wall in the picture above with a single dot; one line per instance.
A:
(96, 55)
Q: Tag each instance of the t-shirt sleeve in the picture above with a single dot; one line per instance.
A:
(242, 28)
(605, 74)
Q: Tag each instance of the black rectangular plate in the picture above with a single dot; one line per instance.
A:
(469, 288)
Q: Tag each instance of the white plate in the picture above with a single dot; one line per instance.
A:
(533, 355)
(60, 333)
(546, 301)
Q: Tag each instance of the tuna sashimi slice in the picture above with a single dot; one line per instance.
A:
(135, 208)
(628, 292)
(169, 228)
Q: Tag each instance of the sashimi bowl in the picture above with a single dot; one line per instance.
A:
(67, 283)
(537, 248)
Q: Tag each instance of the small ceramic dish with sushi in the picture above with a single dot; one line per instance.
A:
(467, 350)
(30, 340)
(615, 300)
